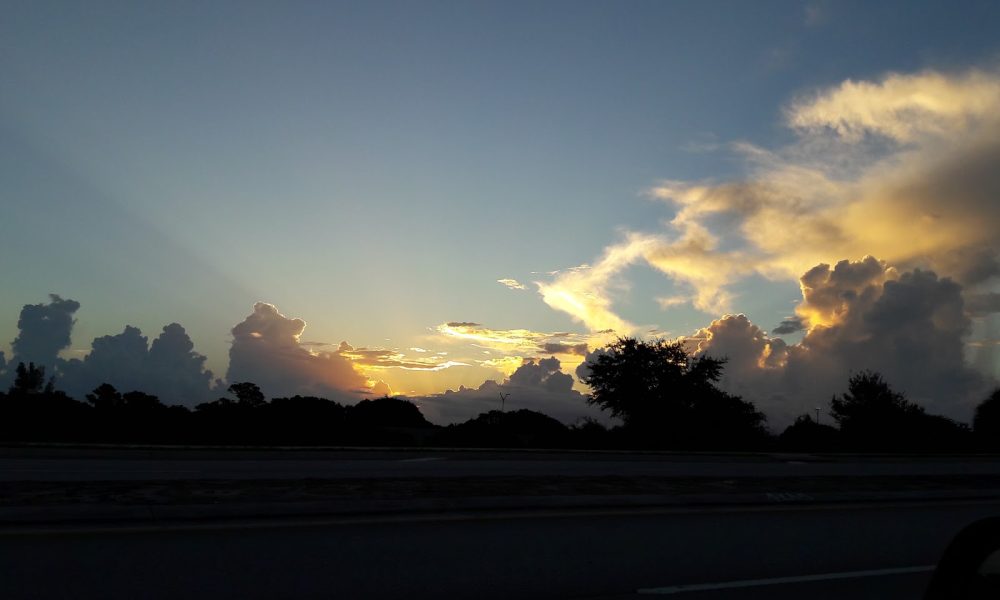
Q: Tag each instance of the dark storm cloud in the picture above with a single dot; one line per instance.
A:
(44, 330)
(789, 326)
(169, 369)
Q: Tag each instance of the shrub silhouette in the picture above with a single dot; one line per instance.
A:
(516, 429)
(806, 435)
(387, 412)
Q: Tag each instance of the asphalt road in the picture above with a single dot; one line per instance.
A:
(110, 465)
(569, 555)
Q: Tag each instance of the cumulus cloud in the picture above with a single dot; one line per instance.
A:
(169, 369)
(381, 388)
(44, 331)
(176, 372)
(266, 350)
(537, 384)
(115, 359)
(907, 325)
(903, 168)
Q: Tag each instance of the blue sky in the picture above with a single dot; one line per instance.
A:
(374, 167)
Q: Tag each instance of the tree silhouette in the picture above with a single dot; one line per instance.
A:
(105, 397)
(665, 396)
(871, 409)
(247, 394)
(986, 423)
(30, 380)
(873, 416)
(137, 401)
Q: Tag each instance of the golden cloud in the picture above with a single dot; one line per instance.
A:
(903, 168)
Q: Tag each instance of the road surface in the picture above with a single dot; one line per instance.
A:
(860, 552)
(110, 465)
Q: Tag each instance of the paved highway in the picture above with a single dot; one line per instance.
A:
(110, 465)
(862, 552)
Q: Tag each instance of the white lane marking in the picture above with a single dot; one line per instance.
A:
(699, 587)
(422, 459)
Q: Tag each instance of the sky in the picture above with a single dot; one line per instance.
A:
(437, 199)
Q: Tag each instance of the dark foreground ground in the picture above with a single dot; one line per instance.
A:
(104, 523)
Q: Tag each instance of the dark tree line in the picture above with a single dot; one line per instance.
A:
(664, 397)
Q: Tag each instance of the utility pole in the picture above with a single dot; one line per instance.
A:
(817, 415)
(503, 398)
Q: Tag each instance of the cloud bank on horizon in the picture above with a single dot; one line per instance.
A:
(267, 349)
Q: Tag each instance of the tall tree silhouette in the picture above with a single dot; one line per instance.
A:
(666, 397)
(871, 409)
(247, 394)
(30, 380)
(986, 423)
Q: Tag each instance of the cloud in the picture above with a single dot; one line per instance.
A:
(512, 284)
(982, 304)
(903, 168)
(381, 388)
(169, 368)
(116, 359)
(523, 341)
(266, 350)
(902, 107)
(789, 326)
(907, 325)
(537, 384)
(585, 292)
(561, 348)
(43, 331)
(176, 372)
(382, 358)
